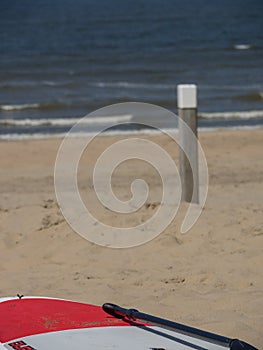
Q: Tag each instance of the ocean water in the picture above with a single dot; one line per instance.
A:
(62, 59)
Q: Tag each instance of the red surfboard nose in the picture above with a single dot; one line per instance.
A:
(30, 316)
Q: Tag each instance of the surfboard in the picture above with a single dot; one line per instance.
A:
(37, 323)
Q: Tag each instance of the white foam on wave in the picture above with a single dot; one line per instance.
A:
(9, 108)
(21, 137)
(233, 115)
(242, 47)
(146, 132)
(66, 121)
(49, 83)
(40, 136)
(127, 85)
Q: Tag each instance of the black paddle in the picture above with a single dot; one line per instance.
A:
(134, 315)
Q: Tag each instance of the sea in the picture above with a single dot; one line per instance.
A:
(61, 60)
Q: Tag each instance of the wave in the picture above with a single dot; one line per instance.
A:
(128, 85)
(97, 84)
(253, 97)
(9, 108)
(233, 115)
(19, 85)
(26, 106)
(65, 121)
(242, 47)
(40, 136)
(231, 87)
(108, 120)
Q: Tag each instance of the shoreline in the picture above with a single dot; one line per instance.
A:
(142, 132)
(122, 122)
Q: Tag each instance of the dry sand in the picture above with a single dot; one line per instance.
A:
(210, 278)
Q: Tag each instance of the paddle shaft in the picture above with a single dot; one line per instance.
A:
(135, 315)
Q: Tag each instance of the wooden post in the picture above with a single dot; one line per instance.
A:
(188, 155)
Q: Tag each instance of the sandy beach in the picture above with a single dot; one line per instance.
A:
(210, 277)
